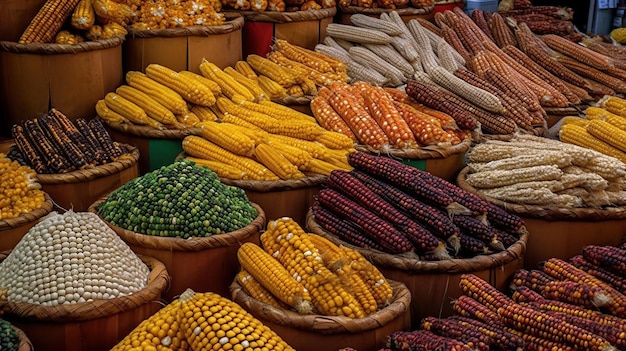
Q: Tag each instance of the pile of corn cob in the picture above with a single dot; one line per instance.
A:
(387, 4)
(21, 192)
(368, 208)
(88, 20)
(603, 128)
(309, 274)
(202, 321)
(383, 119)
(544, 172)
(278, 5)
(167, 14)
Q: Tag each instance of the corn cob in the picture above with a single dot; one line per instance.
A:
(257, 291)
(295, 90)
(478, 17)
(76, 136)
(83, 16)
(608, 133)
(328, 118)
(222, 169)
(130, 111)
(590, 72)
(266, 67)
(274, 277)
(474, 228)
(577, 52)
(580, 136)
(271, 87)
(470, 308)
(368, 58)
(212, 85)
(244, 68)
(279, 111)
(306, 73)
(316, 150)
(159, 92)
(451, 37)
(45, 149)
(372, 277)
(276, 162)
(426, 129)
(67, 148)
(379, 230)
(616, 280)
(190, 89)
(424, 340)
(302, 55)
(237, 143)
(501, 339)
(111, 11)
(363, 21)
(152, 107)
(199, 147)
(580, 294)
(335, 140)
(391, 56)
(357, 34)
(27, 150)
(47, 22)
(536, 343)
(359, 72)
(613, 335)
(501, 32)
(250, 84)
(454, 329)
(91, 140)
(112, 149)
(609, 257)
(478, 289)
(593, 112)
(343, 229)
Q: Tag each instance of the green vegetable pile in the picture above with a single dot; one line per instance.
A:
(178, 200)
(9, 340)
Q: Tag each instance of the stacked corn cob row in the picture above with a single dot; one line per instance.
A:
(383, 118)
(541, 19)
(309, 274)
(545, 172)
(278, 5)
(202, 321)
(52, 143)
(394, 208)
(602, 129)
(387, 4)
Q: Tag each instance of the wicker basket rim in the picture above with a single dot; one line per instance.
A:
(546, 212)
(377, 11)
(149, 132)
(29, 217)
(231, 25)
(326, 324)
(455, 265)
(55, 49)
(283, 17)
(80, 175)
(191, 244)
(158, 281)
(428, 152)
(25, 343)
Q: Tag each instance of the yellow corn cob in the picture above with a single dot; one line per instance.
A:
(272, 88)
(257, 291)
(334, 258)
(204, 113)
(580, 136)
(250, 84)
(244, 68)
(373, 278)
(83, 16)
(166, 96)
(308, 87)
(215, 88)
(222, 169)
(190, 89)
(188, 119)
(274, 277)
(299, 158)
(213, 322)
(253, 132)
(301, 70)
(113, 29)
(275, 72)
(613, 104)
(608, 133)
(107, 114)
(65, 37)
(276, 162)
(130, 111)
(335, 140)
(230, 87)
(199, 147)
(110, 10)
(600, 113)
(295, 91)
(161, 331)
(288, 242)
(152, 107)
(47, 22)
(94, 33)
(297, 129)
(277, 111)
(574, 120)
(320, 167)
(316, 150)
(302, 55)
(228, 139)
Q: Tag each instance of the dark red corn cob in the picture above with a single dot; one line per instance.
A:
(469, 307)
(76, 137)
(373, 226)
(423, 340)
(61, 141)
(342, 229)
(610, 257)
(453, 329)
(111, 148)
(431, 217)
(617, 281)
(501, 340)
(478, 16)
(423, 240)
(483, 292)
(612, 334)
(504, 220)
(536, 343)
(479, 230)
(92, 140)
(507, 239)
(533, 279)
(404, 177)
(55, 163)
(471, 246)
(523, 294)
(578, 311)
(580, 294)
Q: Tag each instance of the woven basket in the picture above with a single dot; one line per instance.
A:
(433, 284)
(12, 230)
(317, 332)
(79, 189)
(96, 325)
(407, 14)
(25, 344)
(200, 263)
(442, 161)
(561, 232)
(184, 48)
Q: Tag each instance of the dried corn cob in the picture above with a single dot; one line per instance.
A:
(166, 96)
(454, 329)
(357, 34)
(477, 96)
(368, 58)
(426, 129)
(329, 118)
(590, 72)
(580, 136)
(610, 257)
(603, 273)
(47, 22)
(577, 52)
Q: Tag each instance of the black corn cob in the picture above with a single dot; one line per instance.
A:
(55, 163)
(345, 183)
(477, 229)
(507, 239)
(27, 150)
(111, 148)
(504, 220)
(616, 280)
(342, 228)
(75, 136)
(453, 329)
(83, 127)
(375, 227)
(56, 135)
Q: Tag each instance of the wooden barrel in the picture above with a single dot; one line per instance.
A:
(88, 326)
(442, 161)
(78, 189)
(70, 78)
(200, 263)
(561, 232)
(434, 284)
(407, 14)
(12, 230)
(330, 333)
(302, 28)
(183, 49)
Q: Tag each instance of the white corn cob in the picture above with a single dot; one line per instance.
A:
(357, 34)
(338, 53)
(529, 196)
(337, 43)
(405, 48)
(364, 21)
(589, 181)
(368, 59)
(446, 56)
(358, 72)
(427, 54)
(500, 178)
(523, 160)
(391, 56)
